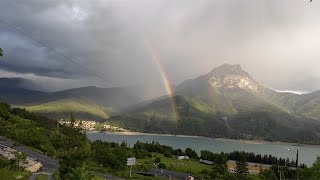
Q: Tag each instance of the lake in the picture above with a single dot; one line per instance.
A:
(307, 153)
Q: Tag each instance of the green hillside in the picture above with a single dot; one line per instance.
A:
(60, 109)
(305, 105)
(90, 103)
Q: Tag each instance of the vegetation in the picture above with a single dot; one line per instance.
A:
(42, 177)
(60, 109)
(152, 155)
(219, 111)
(241, 168)
(267, 121)
(10, 171)
(78, 156)
(1, 53)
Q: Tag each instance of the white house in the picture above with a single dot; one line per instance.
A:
(182, 157)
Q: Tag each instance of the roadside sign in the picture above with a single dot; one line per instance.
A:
(131, 162)
(131, 159)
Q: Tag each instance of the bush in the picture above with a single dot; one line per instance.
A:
(191, 153)
(157, 160)
(167, 154)
(162, 166)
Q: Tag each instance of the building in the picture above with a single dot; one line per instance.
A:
(253, 168)
(85, 125)
(182, 157)
(206, 162)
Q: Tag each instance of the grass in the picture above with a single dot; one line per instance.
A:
(42, 177)
(192, 166)
(200, 106)
(122, 173)
(56, 176)
(68, 105)
(6, 174)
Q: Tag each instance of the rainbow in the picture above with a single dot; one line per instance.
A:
(164, 77)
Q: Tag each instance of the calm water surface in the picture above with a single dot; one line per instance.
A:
(307, 154)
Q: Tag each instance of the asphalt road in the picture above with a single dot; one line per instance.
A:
(50, 165)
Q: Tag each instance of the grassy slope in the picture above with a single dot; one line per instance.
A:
(62, 108)
(158, 117)
(42, 177)
(255, 118)
(307, 105)
(6, 174)
(192, 165)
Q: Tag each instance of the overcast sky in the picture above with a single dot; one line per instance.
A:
(276, 41)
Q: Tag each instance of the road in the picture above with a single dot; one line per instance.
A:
(50, 165)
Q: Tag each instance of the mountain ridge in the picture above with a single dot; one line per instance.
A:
(227, 102)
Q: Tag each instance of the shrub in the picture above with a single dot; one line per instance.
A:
(162, 166)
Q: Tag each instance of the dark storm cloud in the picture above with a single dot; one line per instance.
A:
(275, 41)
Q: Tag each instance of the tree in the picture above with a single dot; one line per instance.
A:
(20, 159)
(157, 160)
(242, 165)
(73, 165)
(219, 171)
(72, 119)
(1, 53)
(162, 166)
(167, 154)
(191, 153)
(269, 174)
(316, 169)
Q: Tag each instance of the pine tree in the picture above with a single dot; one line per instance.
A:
(72, 119)
(242, 165)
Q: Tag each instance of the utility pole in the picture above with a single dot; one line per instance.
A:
(297, 164)
(58, 125)
(130, 171)
(279, 170)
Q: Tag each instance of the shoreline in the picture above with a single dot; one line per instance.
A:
(242, 141)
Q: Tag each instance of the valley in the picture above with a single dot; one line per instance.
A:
(225, 103)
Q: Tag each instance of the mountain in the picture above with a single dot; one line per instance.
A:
(91, 103)
(16, 83)
(228, 102)
(19, 91)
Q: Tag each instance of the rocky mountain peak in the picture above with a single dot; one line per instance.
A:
(228, 69)
(232, 76)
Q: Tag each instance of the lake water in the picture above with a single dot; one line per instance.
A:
(307, 154)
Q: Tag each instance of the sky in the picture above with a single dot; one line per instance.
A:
(276, 41)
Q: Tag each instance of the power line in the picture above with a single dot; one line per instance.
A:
(48, 47)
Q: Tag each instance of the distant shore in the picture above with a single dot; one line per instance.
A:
(242, 141)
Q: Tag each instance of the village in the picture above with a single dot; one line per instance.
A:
(92, 126)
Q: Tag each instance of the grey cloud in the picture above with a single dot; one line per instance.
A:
(273, 40)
